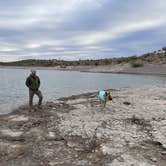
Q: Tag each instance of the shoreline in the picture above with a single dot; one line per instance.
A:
(64, 98)
(130, 73)
(103, 69)
(74, 131)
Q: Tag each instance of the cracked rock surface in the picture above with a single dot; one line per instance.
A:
(73, 131)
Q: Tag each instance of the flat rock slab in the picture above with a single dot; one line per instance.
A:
(10, 133)
(12, 150)
(18, 118)
(128, 160)
(76, 101)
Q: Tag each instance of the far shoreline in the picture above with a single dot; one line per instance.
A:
(92, 69)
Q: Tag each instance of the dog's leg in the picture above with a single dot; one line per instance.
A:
(102, 105)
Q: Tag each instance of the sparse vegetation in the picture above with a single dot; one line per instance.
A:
(164, 49)
(137, 63)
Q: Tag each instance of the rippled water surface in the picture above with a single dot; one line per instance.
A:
(55, 84)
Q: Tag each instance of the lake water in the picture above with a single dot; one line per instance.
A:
(55, 84)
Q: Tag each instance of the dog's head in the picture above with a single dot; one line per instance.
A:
(108, 96)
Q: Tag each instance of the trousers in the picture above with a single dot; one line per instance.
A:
(31, 95)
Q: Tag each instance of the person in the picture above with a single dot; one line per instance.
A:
(104, 96)
(33, 83)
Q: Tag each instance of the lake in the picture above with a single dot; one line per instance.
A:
(56, 84)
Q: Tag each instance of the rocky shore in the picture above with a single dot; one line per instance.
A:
(147, 69)
(73, 131)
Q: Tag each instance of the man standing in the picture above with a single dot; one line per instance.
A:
(33, 83)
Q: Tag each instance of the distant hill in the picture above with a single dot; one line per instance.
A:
(156, 57)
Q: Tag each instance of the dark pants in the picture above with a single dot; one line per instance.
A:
(31, 95)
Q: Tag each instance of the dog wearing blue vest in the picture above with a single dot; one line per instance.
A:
(104, 97)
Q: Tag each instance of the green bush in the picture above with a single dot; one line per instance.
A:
(137, 63)
(96, 63)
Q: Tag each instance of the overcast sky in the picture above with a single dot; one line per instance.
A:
(80, 29)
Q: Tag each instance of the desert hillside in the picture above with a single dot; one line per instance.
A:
(156, 57)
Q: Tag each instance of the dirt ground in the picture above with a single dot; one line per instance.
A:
(73, 131)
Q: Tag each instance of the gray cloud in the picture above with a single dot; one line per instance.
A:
(80, 29)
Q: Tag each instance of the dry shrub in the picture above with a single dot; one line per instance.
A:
(137, 63)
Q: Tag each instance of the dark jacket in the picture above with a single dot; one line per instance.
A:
(33, 82)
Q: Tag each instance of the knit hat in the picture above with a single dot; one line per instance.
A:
(33, 71)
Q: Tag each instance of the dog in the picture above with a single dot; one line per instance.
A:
(104, 96)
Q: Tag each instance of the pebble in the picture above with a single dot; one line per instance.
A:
(163, 152)
(154, 159)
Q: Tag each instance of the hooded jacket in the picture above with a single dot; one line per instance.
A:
(33, 82)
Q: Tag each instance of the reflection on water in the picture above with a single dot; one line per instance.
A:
(55, 84)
